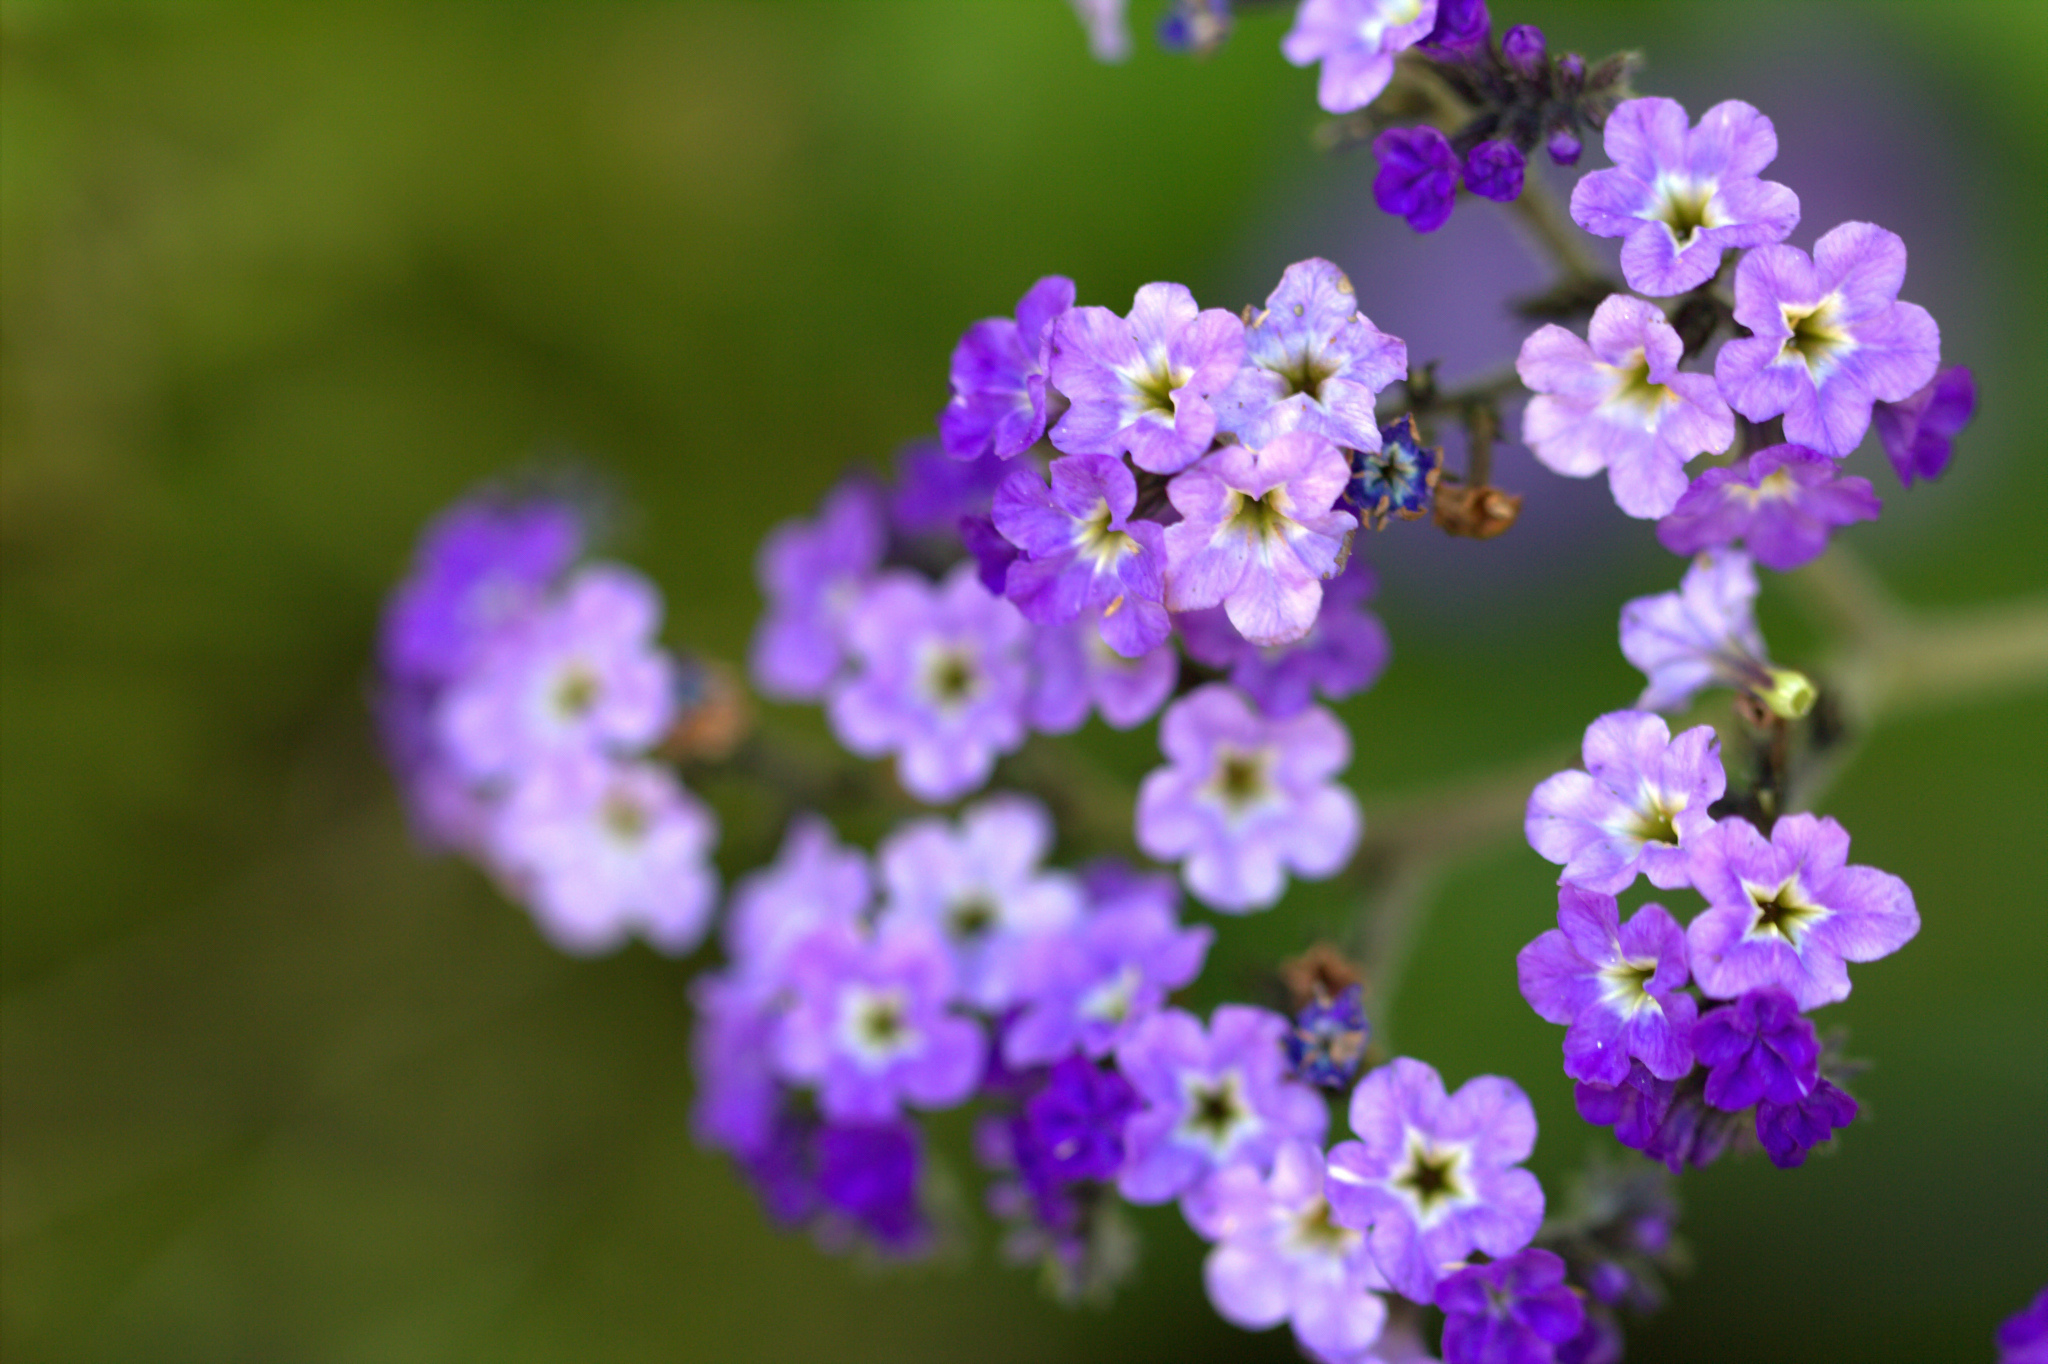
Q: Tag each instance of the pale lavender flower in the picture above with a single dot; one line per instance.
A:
(1760, 1047)
(939, 680)
(1680, 196)
(1619, 402)
(1919, 432)
(999, 391)
(1782, 501)
(1259, 534)
(812, 572)
(481, 566)
(1355, 40)
(979, 885)
(1245, 799)
(1214, 1097)
(732, 1051)
(1109, 36)
(1701, 635)
(1342, 654)
(1619, 986)
(1513, 1311)
(584, 674)
(1279, 1257)
(814, 881)
(1418, 176)
(1142, 384)
(1788, 911)
(1083, 555)
(1313, 362)
(1830, 337)
(1073, 669)
(1788, 1132)
(1639, 806)
(1434, 1177)
(869, 1024)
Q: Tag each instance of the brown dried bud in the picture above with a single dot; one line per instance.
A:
(1480, 513)
(713, 717)
(1318, 976)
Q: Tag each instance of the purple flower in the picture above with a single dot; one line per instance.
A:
(1434, 1177)
(1523, 49)
(992, 554)
(1620, 988)
(939, 680)
(1493, 170)
(1701, 635)
(934, 490)
(1142, 384)
(1355, 40)
(1760, 1047)
(869, 1024)
(1621, 404)
(1279, 1257)
(732, 1052)
(815, 880)
(1788, 1132)
(812, 572)
(2023, 1338)
(1830, 337)
(1259, 534)
(1084, 556)
(780, 1169)
(1680, 196)
(584, 674)
(1213, 1098)
(1783, 501)
(1789, 911)
(1073, 1128)
(999, 400)
(1328, 1039)
(483, 565)
(1638, 807)
(1072, 669)
(1400, 479)
(868, 1174)
(1312, 362)
(1342, 654)
(1245, 799)
(1564, 147)
(1109, 39)
(601, 849)
(446, 810)
(1462, 28)
(1919, 432)
(1635, 1107)
(1418, 176)
(1513, 1311)
(978, 885)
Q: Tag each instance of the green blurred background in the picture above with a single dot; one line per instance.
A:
(280, 281)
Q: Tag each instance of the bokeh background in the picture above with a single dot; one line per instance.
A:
(280, 281)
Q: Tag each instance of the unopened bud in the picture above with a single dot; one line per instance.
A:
(1478, 513)
(1791, 694)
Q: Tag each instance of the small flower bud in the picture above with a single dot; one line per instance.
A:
(1790, 695)
(1571, 74)
(1564, 147)
(1523, 49)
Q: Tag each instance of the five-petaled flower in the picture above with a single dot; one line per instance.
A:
(1142, 384)
(1619, 986)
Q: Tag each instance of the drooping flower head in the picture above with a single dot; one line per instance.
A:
(1084, 556)
(1782, 502)
(1342, 654)
(1417, 178)
(1355, 40)
(1760, 1047)
(1619, 402)
(812, 572)
(999, 398)
(1701, 635)
(1400, 480)
(1313, 362)
(1620, 987)
(1681, 196)
(1245, 799)
(1638, 807)
(1919, 432)
(1514, 1311)
(1142, 384)
(815, 880)
(1073, 670)
(1829, 337)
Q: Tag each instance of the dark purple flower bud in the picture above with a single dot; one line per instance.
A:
(1328, 1040)
(1760, 1047)
(1493, 170)
(993, 555)
(1512, 1311)
(1609, 1282)
(1789, 1131)
(1564, 147)
(1462, 27)
(1635, 1108)
(1919, 433)
(869, 1173)
(1571, 73)
(1523, 49)
(1418, 176)
(1692, 1133)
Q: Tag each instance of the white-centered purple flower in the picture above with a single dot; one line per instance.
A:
(1788, 911)
(1829, 336)
(1639, 806)
(1342, 654)
(1259, 534)
(1704, 634)
(1142, 384)
(979, 885)
(582, 675)
(481, 566)
(1355, 40)
(870, 1024)
(1083, 555)
(1214, 1097)
(1782, 502)
(1245, 799)
(1919, 432)
(1313, 362)
(812, 572)
(1434, 1177)
(1279, 1258)
(999, 389)
(939, 680)
(1680, 196)
(1619, 402)
(1618, 987)
(1074, 670)
(814, 881)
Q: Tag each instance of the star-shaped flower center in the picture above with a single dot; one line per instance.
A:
(1784, 913)
(874, 1025)
(1149, 387)
(1241, 780)
(952, 677)
(1625, 985)
(1218, 1115)
(576, 691)
(1095, 542)
(1685, 207)
(1434, 1179)
(1817, 338)
(971, 917)
(1634, 392)
(1110, 1002)
(1311, 1233)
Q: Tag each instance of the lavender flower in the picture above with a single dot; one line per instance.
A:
(868, 1175)
(1279, 1258)
(1620, 988)
(1513, 1311)
(1789, 912)
(934, 490)
(1245, 799)
(1400, 479)
(814, 881)
(481, 566)
(1418, 176)
(1109, 37)
(1639, 806)
(1342, 654)
(1142, 384)
(1213, 1098)
(1355, 40)
(1681, 196)
(1328, 1039)
(1313, 362)
(1760, 1047)
(1621, 404)
(1788, 1132)
(1830, 337)
(1701, 635)
(732, 1052)
(1084, 556)
(979, 886)
(1919, 432)
(1434, 1177)
(991, 553)
(1073, 669)
(1259, 534)
(1783, 500)
(2023, 1338)
(939, 680)
(999, 399)
(1493, 169)
(812, 572)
